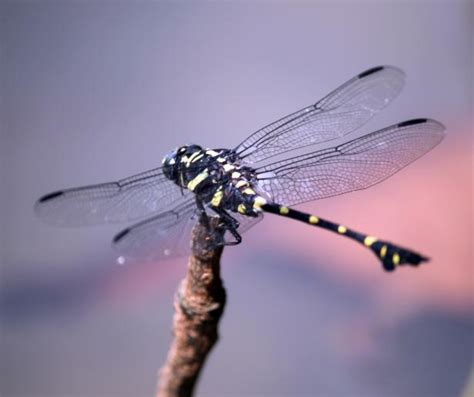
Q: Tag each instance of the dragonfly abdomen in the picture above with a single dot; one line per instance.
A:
(389, 254)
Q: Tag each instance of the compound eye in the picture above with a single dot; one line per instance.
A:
(169, 159)
(169, 168)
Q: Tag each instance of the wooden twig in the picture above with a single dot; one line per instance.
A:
(199, 304)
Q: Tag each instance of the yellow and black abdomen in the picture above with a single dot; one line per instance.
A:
(390, 255)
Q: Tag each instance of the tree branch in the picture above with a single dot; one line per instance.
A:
(199, 304)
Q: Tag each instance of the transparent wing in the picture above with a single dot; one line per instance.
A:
(354, 165)
(167, 235)
(164, 236)
(128, 199)
(339, 113)
(245, 223)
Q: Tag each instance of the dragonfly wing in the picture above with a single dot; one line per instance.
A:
(164, 236)
(125, 200)
(354, 165)
(339, 113)
(247, 222)
(168, 235)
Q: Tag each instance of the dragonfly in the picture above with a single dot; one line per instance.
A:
(277, 167)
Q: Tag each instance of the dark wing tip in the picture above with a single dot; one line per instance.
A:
(121, 235)
(435, 127)
(50, 196)
(370, 71)
(412, 122)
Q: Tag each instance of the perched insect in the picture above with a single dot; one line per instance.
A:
(274, 168)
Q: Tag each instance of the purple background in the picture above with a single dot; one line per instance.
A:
(94, 92)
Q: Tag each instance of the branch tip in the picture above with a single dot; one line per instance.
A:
(199, 304)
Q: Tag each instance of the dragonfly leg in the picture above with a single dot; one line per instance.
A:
(236, 235)
(230, 224)
(226, 218)
(203, 217)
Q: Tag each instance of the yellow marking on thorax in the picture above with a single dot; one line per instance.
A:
(369, 240)
(228, 167)
(193, 158)
(212, 153)
(242, 209)
(197, 180)
(197, 158)
(248, 191)
(221, 160)
(217, 198)
(313, 219)
(241, 183)
(258, 202)
(193, 155)
(342, 229)
(396, 259)
(383, 251)
(236, 175)
(284, 210)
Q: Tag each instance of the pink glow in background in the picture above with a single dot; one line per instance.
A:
(94, 92)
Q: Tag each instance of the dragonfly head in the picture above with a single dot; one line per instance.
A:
(174, 161)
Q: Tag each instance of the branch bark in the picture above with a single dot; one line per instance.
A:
(199, 304)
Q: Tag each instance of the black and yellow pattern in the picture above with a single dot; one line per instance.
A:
(389, 254)
(279, 163)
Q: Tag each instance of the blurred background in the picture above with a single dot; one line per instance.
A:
(96, 91)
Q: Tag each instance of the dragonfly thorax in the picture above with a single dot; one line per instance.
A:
(215, 176)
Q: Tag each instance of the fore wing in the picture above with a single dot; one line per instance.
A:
(342, 111)
(125, 200)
